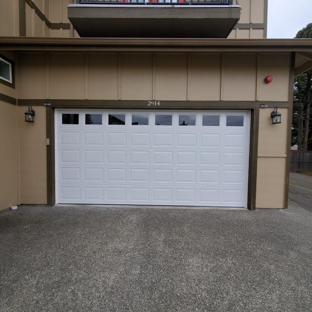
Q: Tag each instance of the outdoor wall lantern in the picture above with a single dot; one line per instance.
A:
(30, 115)
(276, 117)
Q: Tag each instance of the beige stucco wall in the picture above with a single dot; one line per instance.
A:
(9, 192)
(161, 76)
(272, 158)
(33, 166)
(253, 12)
(193, 77)
(254, 17)
(9, 23)
(8, 155)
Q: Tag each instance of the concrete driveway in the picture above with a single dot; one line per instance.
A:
(300, 190)
(116, 259)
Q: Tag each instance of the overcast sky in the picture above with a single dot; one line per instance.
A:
(287, 17)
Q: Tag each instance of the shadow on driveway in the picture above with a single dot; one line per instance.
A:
(89, 258)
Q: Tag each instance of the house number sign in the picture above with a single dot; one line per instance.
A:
(153, 103)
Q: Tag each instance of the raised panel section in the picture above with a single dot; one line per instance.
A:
(163, 176)
(139, 157)
(233, 197)
(209, 176)
(163, 139)
(233, 176)
(70, 174)
(210, 197)
(70, 193)
(185, 195)
(162, 194)
(93, 138)
(234, 140)
(186, 175)
(234, 159)
(139, 175)
(93, 156)
(139, 139)
(187, 139)
(138, 194)
(209, 158)
(116, 157)
(116, 194)
(93, 193)
(117, 139)
(116, 175)
(188, 158)
(93, 174)
(210, 140)
(69, 156)
(163, 158)
(70, 138)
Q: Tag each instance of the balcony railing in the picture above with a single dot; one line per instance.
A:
(160, 2)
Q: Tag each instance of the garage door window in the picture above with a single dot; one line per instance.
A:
(93, 119)
(70, 119)
(211, 121)
(163, 120)
(139, 120)
(187, 120)
(116, 119)
(235, 121)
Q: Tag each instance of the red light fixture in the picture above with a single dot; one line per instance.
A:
(268, 79)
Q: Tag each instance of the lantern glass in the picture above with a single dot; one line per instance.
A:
(276, 117)
(30, 115)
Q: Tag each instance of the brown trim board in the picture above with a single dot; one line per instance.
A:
(50, 156)
(266, 11)
(253, 159)
(22, 18)
(42, 16)
(250, 26)
(8, 99)
(289, 124)
(132, 104)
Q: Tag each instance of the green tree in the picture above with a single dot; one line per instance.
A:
(303, 102)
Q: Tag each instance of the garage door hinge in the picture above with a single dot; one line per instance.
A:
(47, 142)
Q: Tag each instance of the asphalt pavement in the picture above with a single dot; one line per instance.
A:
(300, 190)
(90, 258)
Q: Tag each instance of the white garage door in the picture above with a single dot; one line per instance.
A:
(152, 157)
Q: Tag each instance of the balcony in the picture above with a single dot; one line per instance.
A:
(154, 18)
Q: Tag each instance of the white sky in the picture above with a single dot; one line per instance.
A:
(287, 17)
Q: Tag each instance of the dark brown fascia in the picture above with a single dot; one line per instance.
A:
(154, 45)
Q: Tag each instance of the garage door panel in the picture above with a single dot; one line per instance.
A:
(116, 139)
(116, 157)
(163, 158)
(139, 194)
(156, 160)
(70, 156)
(209, 197)
(93, 194)
(162, 195)
(93, 138)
